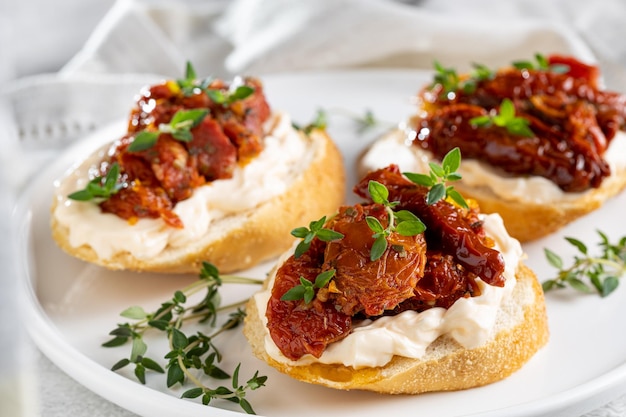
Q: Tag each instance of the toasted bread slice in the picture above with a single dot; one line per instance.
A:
(243, 239)
(521, 329)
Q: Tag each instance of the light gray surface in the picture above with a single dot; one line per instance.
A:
(61, 396)
(29, 383)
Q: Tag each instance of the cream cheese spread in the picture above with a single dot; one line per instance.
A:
(265, 177)
(396, 148)
(469, 321)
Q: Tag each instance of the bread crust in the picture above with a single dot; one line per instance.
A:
(447, 366)
(528, 221)
(244, 239)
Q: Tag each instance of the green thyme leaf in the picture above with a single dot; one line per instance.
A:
(378, 192)
(602, 272)
(609, 285)
(138, 350)
(135, 312)
(217, 96)
(451, 161)
(378, 248)
(437, 178)
(554, 259)
(143, 140)
(505, 118)
(190, 84)
(306, 289)
(192, 393)
(456, 197)
(324, 278)
(100, 188)
(226, 98)
(421, 179)
(116, 341)
(447, 78)
(374, 224)
(120, 364)
(582, 248)
(295, 293)
(436, 193)
(410, 228)
(152, 365)
(242, 92)
(179, 127)
(175, 375)
(541, 63)
(307, 235)
(320, 121)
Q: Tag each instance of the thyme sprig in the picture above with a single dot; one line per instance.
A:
(315, 229)
(402, 222)
(226, 98)
(601, 272)
(320, 121)
(505, 118)
(101, 187)
(189, 354)
(179, 127)
(439, 176)
(191, 85)
(306, 289)
(363, 122)
(451, 82)
(541, 63)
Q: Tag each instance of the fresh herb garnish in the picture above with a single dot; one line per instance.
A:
(602, 272)
(447, 78)
(226, 98)
(402, 222)
(437, 178)
(451, 82)
(541, 63)
(188, 352)
(306, 289)
(190, 85)
(179, 127)
(320, 121)
(315, 229)
(100, 188)
(505, 118)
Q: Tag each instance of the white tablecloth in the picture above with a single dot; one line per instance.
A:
(77, 62)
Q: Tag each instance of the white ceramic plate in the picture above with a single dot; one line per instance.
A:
(70, 306)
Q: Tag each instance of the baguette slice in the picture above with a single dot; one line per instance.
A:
(521, 329)
(244, 239)
(529, 220)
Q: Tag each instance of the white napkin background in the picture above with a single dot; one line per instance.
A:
(140, 41)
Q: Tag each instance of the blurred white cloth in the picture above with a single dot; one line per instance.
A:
(139, 41)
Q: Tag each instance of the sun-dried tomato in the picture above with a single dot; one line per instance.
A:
(573, 122)
(159, 177)
(363, 285)
(297, 328)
